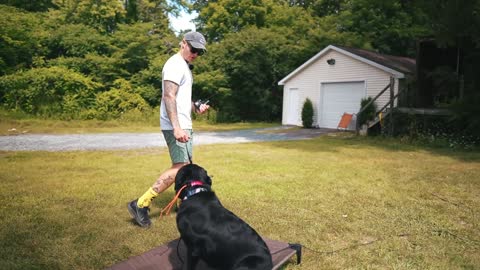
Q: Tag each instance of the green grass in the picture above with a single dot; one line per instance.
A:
(354, 203)
(14, 124)
(37, 126)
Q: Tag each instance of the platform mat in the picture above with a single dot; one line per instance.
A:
(166, 257)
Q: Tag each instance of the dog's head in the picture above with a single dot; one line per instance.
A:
(190, 173)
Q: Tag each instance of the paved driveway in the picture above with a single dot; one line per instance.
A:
(110, 141)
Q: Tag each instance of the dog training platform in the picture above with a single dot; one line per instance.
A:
(166, 257)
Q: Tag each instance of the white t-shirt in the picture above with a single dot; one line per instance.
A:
(176, 70)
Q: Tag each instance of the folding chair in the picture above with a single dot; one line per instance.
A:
(345, 121)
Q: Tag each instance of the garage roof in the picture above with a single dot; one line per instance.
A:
(396, 65)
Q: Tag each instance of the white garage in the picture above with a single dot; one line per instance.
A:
(336, 79)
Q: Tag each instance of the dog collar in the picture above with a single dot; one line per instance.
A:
(196, 183)
(192, 192)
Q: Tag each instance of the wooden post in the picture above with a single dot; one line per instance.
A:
(392, 94)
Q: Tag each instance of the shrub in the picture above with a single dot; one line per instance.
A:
(466, 115)
(307, 114)
(114, 103)
(435, 130)
(50, 91)
(369, 113)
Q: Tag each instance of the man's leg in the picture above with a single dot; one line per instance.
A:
(180, 154)
(167, 178)
(139, 208)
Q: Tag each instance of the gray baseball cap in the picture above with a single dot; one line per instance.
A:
(196, 39)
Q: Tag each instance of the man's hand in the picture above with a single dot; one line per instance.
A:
(180, 135)
(202, 108)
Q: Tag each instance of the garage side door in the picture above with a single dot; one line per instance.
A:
(338, 98)
(293, 113)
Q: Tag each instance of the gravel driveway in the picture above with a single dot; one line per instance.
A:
(110, 141)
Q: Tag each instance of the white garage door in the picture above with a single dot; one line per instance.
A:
(293, 115)
(338, 98)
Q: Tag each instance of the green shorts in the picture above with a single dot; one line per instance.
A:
(179, 152)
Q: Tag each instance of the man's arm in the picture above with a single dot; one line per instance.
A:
(170, 101)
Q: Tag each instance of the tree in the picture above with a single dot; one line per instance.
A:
(452, 21)
(102, 69)
(155, 10)
(369, 113)
(76, 40)
(21, 35)
(253, 61)
(29, 5)
(323, 8)
(391, 26)
(307, 114)
(135, 45)
(117, 101)
(44, 91)
(148, 82)
(320, 8)
(457, 24)
(252, 57)
(218, 18)
(253, 44)
(103, 15)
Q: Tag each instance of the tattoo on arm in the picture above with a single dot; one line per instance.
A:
(169, 98)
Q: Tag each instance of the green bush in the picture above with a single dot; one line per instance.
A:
(210, 116)
(112, 104)
(307, 114)
(466, 115)
(77, 40)
(369, 113)
(51, 91)
(434, 130)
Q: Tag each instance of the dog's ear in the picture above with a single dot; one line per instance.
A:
(209, 180)
(206, 177)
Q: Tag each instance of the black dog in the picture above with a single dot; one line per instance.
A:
(211, 232)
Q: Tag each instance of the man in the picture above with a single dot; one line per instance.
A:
(175, 119)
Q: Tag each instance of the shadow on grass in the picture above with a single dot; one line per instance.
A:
(20, 244)
(161, 202)
(42, 238)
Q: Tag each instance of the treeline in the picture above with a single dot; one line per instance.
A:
(102, 59)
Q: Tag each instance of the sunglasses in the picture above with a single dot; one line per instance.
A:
(199, 52)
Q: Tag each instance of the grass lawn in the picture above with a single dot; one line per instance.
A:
(354, 203)
(32, 126)
(14, 125)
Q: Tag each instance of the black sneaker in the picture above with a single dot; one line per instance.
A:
(139, 214)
